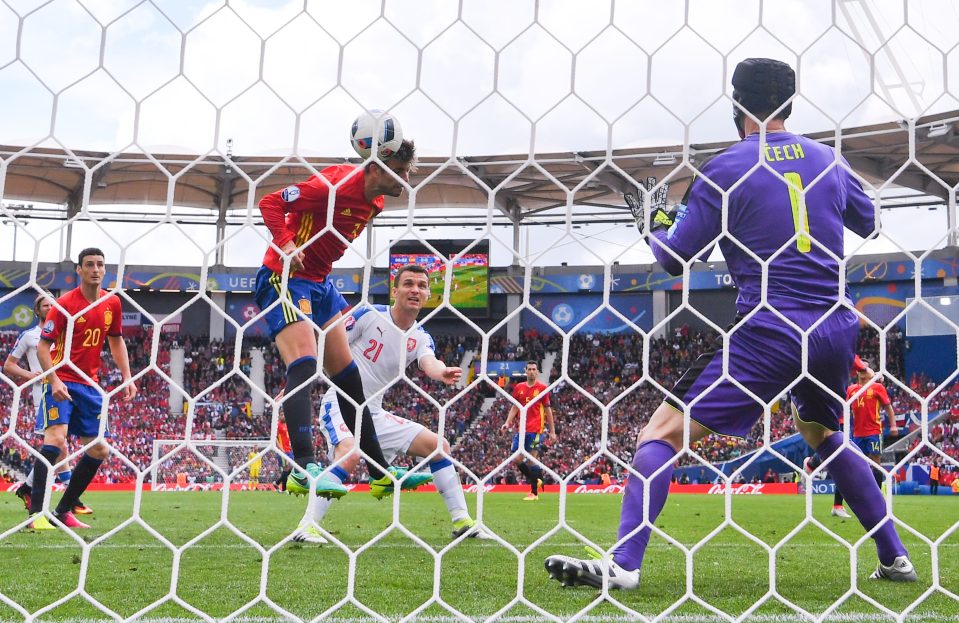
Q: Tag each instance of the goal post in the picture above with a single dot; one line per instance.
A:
(202, 463)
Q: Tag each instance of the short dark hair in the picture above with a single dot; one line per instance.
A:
(408, 268)
(406, 153)
(532, 363)
(762, 86)
(90, 251)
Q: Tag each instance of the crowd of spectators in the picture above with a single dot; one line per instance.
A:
(610, 394)
(606, 371)
(532, 346)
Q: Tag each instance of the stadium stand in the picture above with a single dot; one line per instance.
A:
(604, 366)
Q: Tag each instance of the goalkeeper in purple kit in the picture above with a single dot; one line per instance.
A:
(789, 213)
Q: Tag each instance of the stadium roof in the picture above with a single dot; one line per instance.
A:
(527, 191)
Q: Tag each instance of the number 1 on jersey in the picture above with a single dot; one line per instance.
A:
(797, 198)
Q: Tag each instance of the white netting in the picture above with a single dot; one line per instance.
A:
(129, 123)
(238, 457)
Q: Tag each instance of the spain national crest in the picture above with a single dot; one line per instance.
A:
(107, 318)
(53, 413)
(410, 344)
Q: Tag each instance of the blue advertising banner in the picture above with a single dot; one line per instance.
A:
(182, 281)
(594, 282)
(503, 368)
(242, 308)
(350, 280)
(568, 311)
(881, 302)
(16, 312)
(863, 272)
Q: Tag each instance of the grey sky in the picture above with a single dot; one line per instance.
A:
(503, 76)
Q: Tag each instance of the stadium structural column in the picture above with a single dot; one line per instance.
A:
(258, 376)
(514, 211)
(217, 322)
(660, 304)
(177, 363)
(73, 208)
(513, 324)
(225, 183)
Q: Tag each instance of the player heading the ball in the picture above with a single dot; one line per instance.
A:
(769, 213)
(294, 215)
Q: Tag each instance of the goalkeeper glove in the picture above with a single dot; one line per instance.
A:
(658, 218)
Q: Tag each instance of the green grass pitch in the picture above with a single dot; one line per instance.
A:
(468, 294)
(221, 573)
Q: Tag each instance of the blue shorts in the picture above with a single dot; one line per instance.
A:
(869, 445)
(531, 441)
(765, 356)
(317, 300)
(81, 413)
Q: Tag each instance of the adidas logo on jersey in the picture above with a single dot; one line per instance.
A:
(81, 319)
(347, 212)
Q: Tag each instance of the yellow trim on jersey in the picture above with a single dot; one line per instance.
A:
(303, 233)
(289, 312)
(58, 355)
(306, 226)
(542, 415)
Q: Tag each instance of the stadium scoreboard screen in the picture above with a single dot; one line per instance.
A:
(469, 290)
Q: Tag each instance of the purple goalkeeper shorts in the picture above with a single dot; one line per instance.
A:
(765, 356)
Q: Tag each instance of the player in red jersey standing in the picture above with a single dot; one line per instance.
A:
(868, 398)
(533, 395)
(866, 425)
(294, 216)
(72, 402)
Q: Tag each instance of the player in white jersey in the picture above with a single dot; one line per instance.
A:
(384, 341)
(26, 347)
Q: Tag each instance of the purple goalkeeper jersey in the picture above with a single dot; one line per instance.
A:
(764, 212)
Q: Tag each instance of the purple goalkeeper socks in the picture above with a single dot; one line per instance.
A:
(650, 456)
(853, 476)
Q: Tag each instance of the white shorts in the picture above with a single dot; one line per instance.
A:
(395, 433)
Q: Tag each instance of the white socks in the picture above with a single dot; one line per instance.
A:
(447, 481)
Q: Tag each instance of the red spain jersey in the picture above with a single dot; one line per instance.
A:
(90, 330)
(537, 398)
(299, 211)
(866, 418)
(283, 437)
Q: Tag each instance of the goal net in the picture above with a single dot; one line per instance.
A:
(206, 464)
(152, 130)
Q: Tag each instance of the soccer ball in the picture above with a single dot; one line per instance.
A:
(384, 126)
